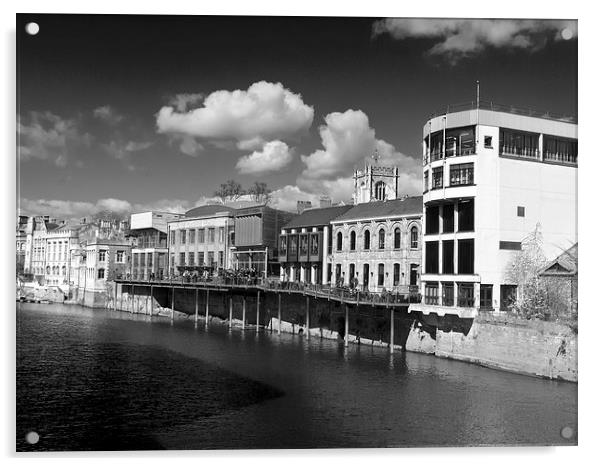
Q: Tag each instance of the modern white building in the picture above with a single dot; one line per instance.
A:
(491, 177)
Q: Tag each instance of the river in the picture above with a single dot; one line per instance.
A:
(103, 380)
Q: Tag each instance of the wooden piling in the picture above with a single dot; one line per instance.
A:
(196, 306)
(279, 313)
(207, 310)
(230, 314)
(392, 330)
(307, 316)
(346, 325)
(115, 297)
(244, 311)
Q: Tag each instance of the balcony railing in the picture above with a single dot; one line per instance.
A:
(559, 157)
(525, 152)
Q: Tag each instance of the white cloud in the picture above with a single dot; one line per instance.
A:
(122, 150)
(265, 111)
(46, 136)
(108, 114)
(183, 102)
(286, 197)
(463, 37)
(189, 145)
(348, 141)
(274, 156)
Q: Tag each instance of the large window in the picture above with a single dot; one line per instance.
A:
(448, 256)
(201, 235)
(559, 149)
(314, 245)
(220, 259)
(381, 274)
(367, 239)
(182, 258)
(447, 293)
(303, 245)
(414, 238)
(436, 149)
(396, 274)
(352, 241)
(466, 215)
(486, 296)
(461, 174)
(211, 235)
(397, 238)
(292, 245)
(432, 257)
(426, 181)
(101, 273)
(432, 219)
(102, 256)
(339, 241)
(366, 275)
(448, 218)
(190, 258)
(466, 256)
(182, 236)
(282, 247)
(149, 259)
(191, 236)
(201, 258)
(465, 295)
(380, 191)
(381, 238)
(211, 258)
(431, 293)
(519, 143)
(459, 141)
(351, 274)
(437, 178)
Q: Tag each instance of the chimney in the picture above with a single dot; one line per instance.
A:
(303, 205)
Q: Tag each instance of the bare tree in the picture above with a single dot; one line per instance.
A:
(260, 192)
(229, 191)
(222, 192)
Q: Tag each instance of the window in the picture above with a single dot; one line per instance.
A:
(396, 273)
(459, 141)
(448, 293)
(432, 219)
(397, 238)
(339, 241)
(488, 142)
(282, 247)
(413, 274)
(351, 273)
(135, 259)
(520, 211)
(559, 149)
(436, 143)
(314, 245)
(448, 256)
(182, 258)
(431, 293)
(191, 235)
(519, 143)
(426, 181)
(119, 256)
(381, 238)
(448, 218)
(466, 215)
(210, 258)
(366, 275)
(511, 245)
(337, 273)
(172, 237)
(381, 274)
(142, 259)
(437, 178)
(466, 256)
(101, 273)
(507, 296)
(380, 191)
(221, 234)
(486, 296)
(211, 235)
(220, 259)
(352, 241)
(172, 261)
(182, 236)
(292, 245)
(102, 256)
(201, 235)
(414, 237)
(432, 257)
(149, 259)
(367, 239)
(201, 258)
(461, 174)
(190, 258)
(303, 240)
(465, 295)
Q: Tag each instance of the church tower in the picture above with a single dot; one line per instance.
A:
(375, 182)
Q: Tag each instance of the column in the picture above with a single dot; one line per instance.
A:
(279, 312)
(257, 316)
(196, 306)
(173, 294)
(244, 311)
(325, 259)
(346, 325)
(307, 316)
(391, 340)
(207, 310)
(230, 315)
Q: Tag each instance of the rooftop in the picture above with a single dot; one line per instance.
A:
(208, 210)
(317, 216)
(383, 209)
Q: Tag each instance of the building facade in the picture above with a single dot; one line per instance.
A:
(375, 183)
(304, 246)
(201, 241)
(376, 246)
(491, 177)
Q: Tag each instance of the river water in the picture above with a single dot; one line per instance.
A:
(101, 380)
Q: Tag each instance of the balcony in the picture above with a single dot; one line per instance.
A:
(522, 152)
(563, 158)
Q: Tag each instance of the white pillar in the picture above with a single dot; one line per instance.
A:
(325, 259)
(313, 274)
(302, 274)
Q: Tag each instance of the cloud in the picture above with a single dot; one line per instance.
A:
(274, 156)
(458, 38)
(187, 145)
(183, 102)
(122, 150)
(46, 136)
(264, 112)
(348, 141)
(107, 114)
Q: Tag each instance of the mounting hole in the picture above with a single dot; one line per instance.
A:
(567, 432)
(32, 28)
(32, 438)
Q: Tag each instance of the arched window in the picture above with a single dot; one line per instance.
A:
(367, 239)
(397, 238)
(64, 271)
(379, 191)
(352, 241)
(414, 237)
(381, 238)
(47, 270)
(339, 241)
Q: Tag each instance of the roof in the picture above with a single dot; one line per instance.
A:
(564, 264)
(317, 217)
(208, 210)
(383, 209)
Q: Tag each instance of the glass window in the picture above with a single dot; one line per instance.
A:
(182, 258)
(201, 258)
(352, 241)
(149, 260)
(381, 238)
(448, 218)
(414, 237)
(381, 274)
(520, 211)
(448, 293)
(379, 191)
(431, 293)
(182, 236)
(201, 235)
(432, 219)
(397, 238)
(220, 259)
(367, 239)
(396, 274)
(190, 258)
(292, 245)
(461, 174)
(211, 235)
(465, 295)
(466, 215)
(432, 257)
(221, 234)
(351, 274)
(437, 178)
(559, 149)
(303, 245)
(101, 273)
(448, 257)
(426, 181)
(339, 241)
(519, 143)
(102, 256)
(486, 296)
(314, 245)
(282, 245)
(119, 257)
(466, 256)
(211, 258)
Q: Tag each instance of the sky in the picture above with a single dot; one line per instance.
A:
(130, 113)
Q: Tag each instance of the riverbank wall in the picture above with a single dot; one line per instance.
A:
(532, 347)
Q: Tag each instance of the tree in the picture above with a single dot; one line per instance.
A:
(260, 192)
(230, 190)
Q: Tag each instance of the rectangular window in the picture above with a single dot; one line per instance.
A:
(182, 258)
(448, 256)
(432, 257)
(460, 141)
(559, 150)
(426, 181)
(201, 235)
(519, 143)
(431, 294)
(511, 245)
(211, 234)
(149, 259)
(142, 259)
(201, 258)
(507, 297)
(191, 235)
(282, 248)
(119, 257)
(437, 178)
(102, 256)
(172, 237)
(396, 273)
(292, 246)
(182, 236)
(381, 274)
(447, 293)
(191, 258)
(488, 142)
(461, 174)
(466, 215)
(466, 256)
(101, 273)
(135, 259)
(520, 211)
(303, 245)
(314, 245)
(465, 295)
(221, 234)
(486, 296)
(432, 220)
(172, 261)
(448, 218)
(220, 260)
(211, 258)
